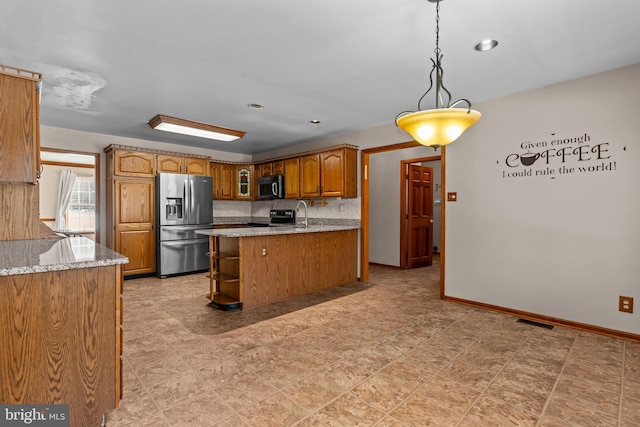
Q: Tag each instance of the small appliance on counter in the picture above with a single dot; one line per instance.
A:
(184, 204)
(271, 187)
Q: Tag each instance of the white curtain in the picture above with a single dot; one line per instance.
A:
(65, 186)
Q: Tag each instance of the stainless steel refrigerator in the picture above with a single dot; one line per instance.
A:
(184, 204)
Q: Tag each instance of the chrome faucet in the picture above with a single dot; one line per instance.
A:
(306, 218)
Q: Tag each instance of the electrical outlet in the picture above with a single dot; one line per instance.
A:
(625, 304)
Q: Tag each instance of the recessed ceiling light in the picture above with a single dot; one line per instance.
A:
(485, 45)
(255, 106)
(188, 127)
(314, 122)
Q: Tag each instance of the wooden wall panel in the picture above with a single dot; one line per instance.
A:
(295, 264)
(19, 211)
(58, 339)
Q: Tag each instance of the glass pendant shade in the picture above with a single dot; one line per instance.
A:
(437, 127)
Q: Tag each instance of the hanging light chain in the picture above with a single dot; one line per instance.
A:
(437, 49)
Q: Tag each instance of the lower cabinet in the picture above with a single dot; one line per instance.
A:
(132, 218)
(61, 341)
(255, 270)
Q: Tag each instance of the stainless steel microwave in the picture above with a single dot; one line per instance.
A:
(271, 187)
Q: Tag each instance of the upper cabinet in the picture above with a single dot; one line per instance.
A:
(178, 164)
(132, 163)
(19, 125)
(196, 166)
(309, 176)
(244, 182)
(291, 172)
(169, 163)
(223, 180)
(338, 173)
(328, 174)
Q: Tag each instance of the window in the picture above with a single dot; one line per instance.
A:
(81, 213)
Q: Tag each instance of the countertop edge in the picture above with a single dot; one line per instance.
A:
(275, 231)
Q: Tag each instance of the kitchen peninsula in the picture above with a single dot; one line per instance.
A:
(60, 315)
(259, 265)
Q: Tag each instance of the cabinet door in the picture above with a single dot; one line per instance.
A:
(214, 172)
(169, 163)
(264, 169)
(134, 163)
(244, 179)
(19, 129)
(291, 178)
(277, 167)
(135, 234)
(227, 181)
(309, 176)
(331, 173)
(196, 166)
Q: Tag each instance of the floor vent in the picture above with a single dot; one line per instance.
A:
(538, 324)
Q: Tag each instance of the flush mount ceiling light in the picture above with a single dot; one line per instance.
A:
(188, 127)
(486, 45)
(444, 124)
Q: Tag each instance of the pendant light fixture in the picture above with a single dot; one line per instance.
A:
(444, 124)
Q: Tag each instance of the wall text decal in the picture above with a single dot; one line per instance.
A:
(559, 156)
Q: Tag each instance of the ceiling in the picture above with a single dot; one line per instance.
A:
(110, 66)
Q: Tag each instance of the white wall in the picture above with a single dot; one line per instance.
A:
(559, 242)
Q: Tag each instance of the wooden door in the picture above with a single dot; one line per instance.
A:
(332, 173)
(309, 176)
(135, 231)
(291, 178)
(419, 216)
(169, 163)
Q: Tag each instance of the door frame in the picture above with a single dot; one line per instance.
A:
(96, 168)
(364, 206)
(404, 164)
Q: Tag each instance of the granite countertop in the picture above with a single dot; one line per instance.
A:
(44, 255)
(276, 230)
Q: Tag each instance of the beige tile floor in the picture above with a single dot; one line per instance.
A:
(383, 353)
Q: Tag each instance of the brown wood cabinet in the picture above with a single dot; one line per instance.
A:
(172, 163)
(61, 339)
(134, 223)
(338, 173)
(291, 178)
(309, 176)
(169, 163)
(329, 174)
(131, 163)
(19, 153)
(196, 166)
(19, 125)
(223, 180)
(256, 270)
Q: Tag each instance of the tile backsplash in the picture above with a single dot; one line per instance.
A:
(334, 208)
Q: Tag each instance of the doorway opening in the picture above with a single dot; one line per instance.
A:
(81, 216)
(365, 200)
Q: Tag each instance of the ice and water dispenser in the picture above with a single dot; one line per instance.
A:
(174, 208)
